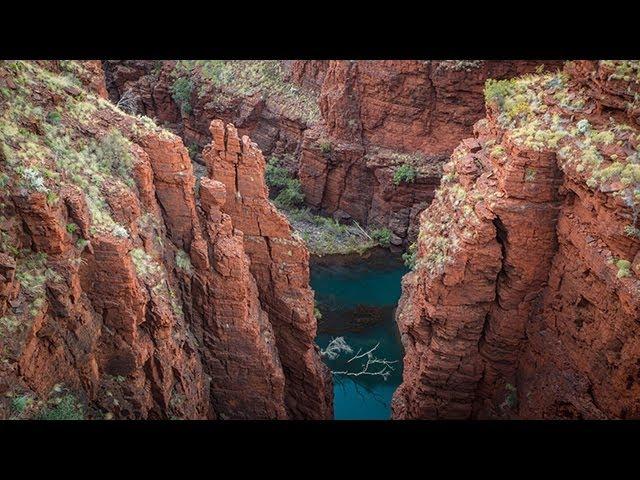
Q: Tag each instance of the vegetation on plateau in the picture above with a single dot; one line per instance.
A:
(230, 79)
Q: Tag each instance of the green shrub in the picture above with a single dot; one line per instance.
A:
(193, 149)
(291, 196)
(511, 399)
(410, 257)
(82, 243)
(4, 180)
(275, 175)
(624, 268)
(181, 91)
(19, 404)
(382, 236)
(72, 228)
(54, 117)
(404, 174)
(67, 408)
(325, 146)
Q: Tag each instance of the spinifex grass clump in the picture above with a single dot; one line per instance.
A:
(546, 112)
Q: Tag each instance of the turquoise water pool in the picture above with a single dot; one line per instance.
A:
(357, 297)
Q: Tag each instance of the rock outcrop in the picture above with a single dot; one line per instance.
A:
(280, 265)
(131, 289)
(525, 299)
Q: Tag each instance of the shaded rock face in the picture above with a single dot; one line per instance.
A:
(524, 303)
(135, 292)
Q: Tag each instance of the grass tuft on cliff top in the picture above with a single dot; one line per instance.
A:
(245, 78)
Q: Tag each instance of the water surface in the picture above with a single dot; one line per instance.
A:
(357, 297)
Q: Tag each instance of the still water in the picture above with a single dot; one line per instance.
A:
(357, 297)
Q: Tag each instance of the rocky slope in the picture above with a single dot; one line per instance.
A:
(129, 288)
(525, 298)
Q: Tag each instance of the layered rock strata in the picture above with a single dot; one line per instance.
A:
(524, 302)
(379, 116)
(127, 292)
(344, 127)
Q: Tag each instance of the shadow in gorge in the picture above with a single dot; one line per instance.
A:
(357, 297)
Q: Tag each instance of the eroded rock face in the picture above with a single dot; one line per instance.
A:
(128, 289)
(524, 302)
(379, 115)
(280, 264)
(267, 120)
(374, 116)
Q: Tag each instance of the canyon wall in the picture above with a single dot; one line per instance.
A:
(524, 302)
(344, 127)
(129, 288)
(256, 96)
(378, 116)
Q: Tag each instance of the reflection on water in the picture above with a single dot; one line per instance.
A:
(357, 298)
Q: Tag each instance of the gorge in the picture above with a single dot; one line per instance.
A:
(156, 263)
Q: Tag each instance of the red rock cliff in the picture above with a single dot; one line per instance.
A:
(524, 301)
(374, 116)
(123, 292)
(380, 115)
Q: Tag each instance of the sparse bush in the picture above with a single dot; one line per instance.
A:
(583, 126)
(33, 180)
(113, 154)
(72, 228)
(146, 266)
(382, 236)
(624, 268)
(120, 231)
(632, 231)
(404, 174)
(183, 261)
(181, 91)
(530, 174)
(495, 91)
(67, 408)
(291, 196)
